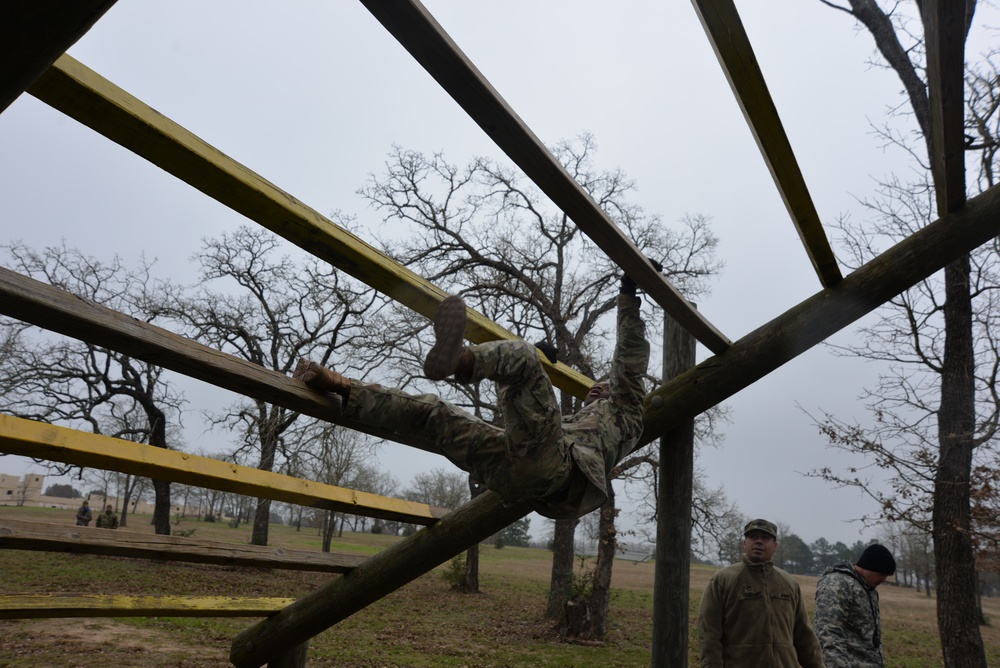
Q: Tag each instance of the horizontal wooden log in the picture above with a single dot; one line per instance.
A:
(84, 95)
(59, 311)
(45, 606)
(380, 575)
(810, 322)
(21, 535)
(59, 444)
(33, 33)
(732, 46)
(417, 31)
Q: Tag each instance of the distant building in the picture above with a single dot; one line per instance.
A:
(27, 491)
(15, 491)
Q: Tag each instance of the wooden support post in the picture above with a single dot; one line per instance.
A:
(672, 579)
(381, 574)
(295, 658)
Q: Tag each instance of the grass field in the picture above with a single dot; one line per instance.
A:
(423, 625)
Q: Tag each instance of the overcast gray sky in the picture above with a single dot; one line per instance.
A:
(311, 95)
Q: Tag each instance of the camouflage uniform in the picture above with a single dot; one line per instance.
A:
(848, 622)
(83, 516)
(107, 520)
(558, 464)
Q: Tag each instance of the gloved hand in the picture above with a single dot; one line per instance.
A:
(550, 351)
(629, 286)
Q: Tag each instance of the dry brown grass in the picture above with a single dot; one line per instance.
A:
(423, 625)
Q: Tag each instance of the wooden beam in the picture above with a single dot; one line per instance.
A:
(84, 95)
(382, 574)
(944, 35)
(33, 33)
(62, 312)
(21, 535)
(732, 46)
(59, 444)
(45, 606)
(827, 312)
(417, 31)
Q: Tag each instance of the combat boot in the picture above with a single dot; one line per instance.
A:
(449, 355)
(318, 377)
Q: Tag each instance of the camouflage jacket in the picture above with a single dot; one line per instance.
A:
(83, 516)
(107, 520)
(753, 616)
(848, 622)
(606, 431)
(558, 464)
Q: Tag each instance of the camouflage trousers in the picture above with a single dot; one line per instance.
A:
(526, 459)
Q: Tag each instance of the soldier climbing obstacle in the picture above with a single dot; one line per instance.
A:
(558, 464)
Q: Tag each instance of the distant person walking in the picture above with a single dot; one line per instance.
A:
(108, 519)
(83, 515)
(848, 621)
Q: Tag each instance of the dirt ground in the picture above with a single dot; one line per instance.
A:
(98, 642)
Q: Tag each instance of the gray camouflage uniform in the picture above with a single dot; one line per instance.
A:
(848, 621)
(558, 464)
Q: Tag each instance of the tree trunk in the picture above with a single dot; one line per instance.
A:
(607, 547)
(470, 584)
(161, 507)
(126, 497)
(955, 566)
(328, 524)
(561, 584)
(261, 522)
(268, 447)
(161, 488)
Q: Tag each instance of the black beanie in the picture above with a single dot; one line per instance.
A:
(878, 559)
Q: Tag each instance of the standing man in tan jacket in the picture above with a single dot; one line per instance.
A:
(752, 614)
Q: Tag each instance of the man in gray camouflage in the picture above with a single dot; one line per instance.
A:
(558, 464)
(848, 621)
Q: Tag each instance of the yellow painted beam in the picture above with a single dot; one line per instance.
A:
(732, 46)
(44, 441)
(84, 95)
(45, 606)
(417, 31)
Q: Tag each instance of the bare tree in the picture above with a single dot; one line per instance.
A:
(483, 232)
(438, 487)
(937, 405)
(76, 384)
(330, 454)
(264, 307)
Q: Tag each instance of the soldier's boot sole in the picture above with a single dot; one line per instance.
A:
(449, 332)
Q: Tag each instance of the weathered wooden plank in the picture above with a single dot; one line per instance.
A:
(84, 95)
(417, 31)
(59, 444)
(59, 311)
(380, 575)
(45, 606)
(21, 535)
(803, 326)
(33, 33)
(944, 35)
(732, 46)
